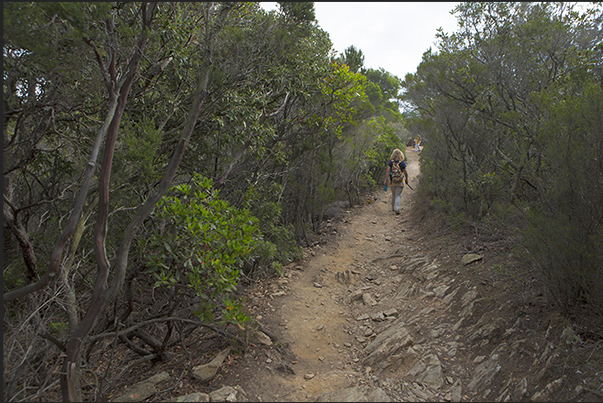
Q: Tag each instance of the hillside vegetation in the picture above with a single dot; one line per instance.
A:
(512, 111)
(178, 150)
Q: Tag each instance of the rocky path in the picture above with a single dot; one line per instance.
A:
(328, 308)
(330, 298)
(398, 308)
(389, 310)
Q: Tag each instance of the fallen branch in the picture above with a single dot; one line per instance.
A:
(171, 318)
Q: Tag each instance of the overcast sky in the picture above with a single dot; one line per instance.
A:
(391, 35)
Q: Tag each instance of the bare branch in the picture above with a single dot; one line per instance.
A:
(167, 319)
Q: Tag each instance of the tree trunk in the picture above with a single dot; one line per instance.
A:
(70, 378)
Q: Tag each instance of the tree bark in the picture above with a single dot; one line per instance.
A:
(70, 381)
(54, 263)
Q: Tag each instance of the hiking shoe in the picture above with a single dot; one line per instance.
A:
(397, 212)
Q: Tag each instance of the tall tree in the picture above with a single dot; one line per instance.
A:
(118, 87)
(354, 58)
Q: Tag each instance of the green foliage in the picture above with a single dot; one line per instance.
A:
(565, 235)
(510, 113)
(203, 244)
(298, 12)
(277, 246)
(141, 144)
(345, 92)
(13, 276)
(388, 83)
(353, 58)
(569, 259)
(387, 138)
(383, 92)
(58, 329)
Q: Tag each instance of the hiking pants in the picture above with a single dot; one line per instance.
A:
(396, 196)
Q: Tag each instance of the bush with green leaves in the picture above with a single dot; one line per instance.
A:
(277, 246)
(203, 242)
(564, 234)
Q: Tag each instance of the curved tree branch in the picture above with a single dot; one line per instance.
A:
(54, 264)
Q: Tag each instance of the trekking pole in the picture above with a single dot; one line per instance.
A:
(409, 186)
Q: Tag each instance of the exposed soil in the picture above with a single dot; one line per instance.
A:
(314, 319)
(312, 316)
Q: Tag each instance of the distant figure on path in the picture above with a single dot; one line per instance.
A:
(396, 175)
(418, 143)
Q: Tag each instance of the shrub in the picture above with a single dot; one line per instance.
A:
(277, 246)
(203, 242)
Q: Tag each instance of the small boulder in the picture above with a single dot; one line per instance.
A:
(470, 258)
(227, 394)
(143, 389)
(208, 371)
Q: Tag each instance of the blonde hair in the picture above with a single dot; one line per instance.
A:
(397, 155)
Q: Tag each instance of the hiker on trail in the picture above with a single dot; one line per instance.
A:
(418, 143)
(396, 175)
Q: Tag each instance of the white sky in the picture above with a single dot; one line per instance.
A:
(391, 35)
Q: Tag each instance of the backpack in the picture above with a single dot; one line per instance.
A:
(397, 174)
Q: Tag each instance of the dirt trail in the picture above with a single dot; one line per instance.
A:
(390, 307)
(393, 307)
(310, 313)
